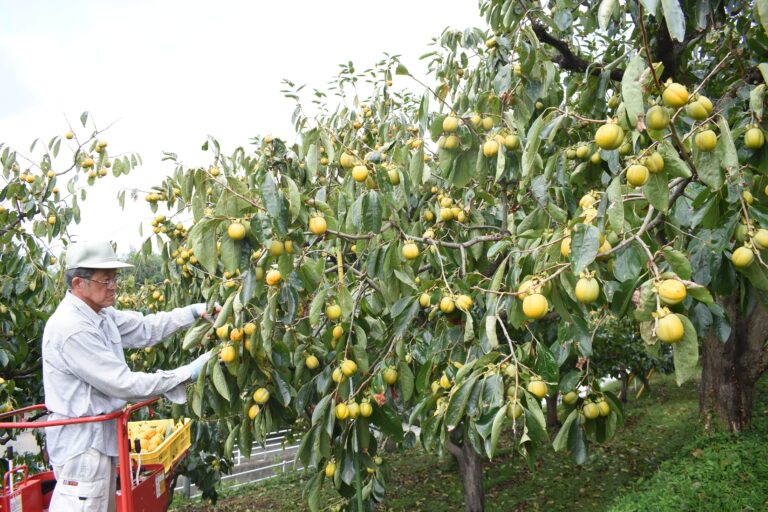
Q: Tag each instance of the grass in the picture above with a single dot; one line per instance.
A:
(718, 472)
(659, 461)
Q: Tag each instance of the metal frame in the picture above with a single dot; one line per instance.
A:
(121, 421)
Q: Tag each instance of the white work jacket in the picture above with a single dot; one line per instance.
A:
(85, 374)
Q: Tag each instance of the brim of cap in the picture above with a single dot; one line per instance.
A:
(104, 265)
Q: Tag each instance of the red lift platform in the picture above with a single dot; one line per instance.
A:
(33, 493)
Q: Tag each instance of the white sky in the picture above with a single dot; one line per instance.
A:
(168, 73)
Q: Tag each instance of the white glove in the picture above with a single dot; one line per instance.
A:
(197, 365)
(199, 310)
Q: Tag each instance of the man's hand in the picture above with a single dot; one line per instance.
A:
(197, 365)
(201, 310)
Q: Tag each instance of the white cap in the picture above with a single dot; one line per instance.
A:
(98, 254)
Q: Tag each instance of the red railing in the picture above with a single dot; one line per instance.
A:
(121, 420)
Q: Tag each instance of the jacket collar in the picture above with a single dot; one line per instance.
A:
(84, 309)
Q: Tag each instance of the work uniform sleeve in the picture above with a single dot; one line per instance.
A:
(86, 357)
(137, 330)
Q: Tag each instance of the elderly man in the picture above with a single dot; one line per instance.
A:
(84, 374)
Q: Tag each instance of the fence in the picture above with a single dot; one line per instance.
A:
(266, 461)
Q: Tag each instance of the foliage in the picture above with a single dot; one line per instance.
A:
(618, 348)
(40, 195)
(454, 220)
(147, 268)
(658, 431)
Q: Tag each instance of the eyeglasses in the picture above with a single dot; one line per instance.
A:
(112, 283)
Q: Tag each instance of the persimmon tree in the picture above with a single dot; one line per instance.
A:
(441, 258)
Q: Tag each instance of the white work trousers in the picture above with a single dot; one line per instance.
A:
(85, 483)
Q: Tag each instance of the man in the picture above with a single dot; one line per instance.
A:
(85, 374)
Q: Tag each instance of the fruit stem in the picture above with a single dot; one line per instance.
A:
(647, 46)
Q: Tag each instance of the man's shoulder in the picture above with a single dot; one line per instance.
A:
(66, 321)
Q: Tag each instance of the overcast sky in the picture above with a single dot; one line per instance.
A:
(169, 73)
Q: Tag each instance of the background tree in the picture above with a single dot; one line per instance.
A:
(40, 193)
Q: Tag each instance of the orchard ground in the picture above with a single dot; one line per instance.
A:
(659, 461)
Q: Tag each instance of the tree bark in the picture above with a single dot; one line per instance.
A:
(731, 369)
(552, 421)
(470, 469)
(624, 385)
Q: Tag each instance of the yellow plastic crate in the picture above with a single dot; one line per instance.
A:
(176, 440)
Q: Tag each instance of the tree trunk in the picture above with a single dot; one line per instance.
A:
(730, 369)
(470, 469)
(624, 385)
(552, 421)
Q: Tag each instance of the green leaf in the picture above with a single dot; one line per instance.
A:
(605, 13)
(531, 150)
(500, 163)
(678, 262)
(546, 364)
(317, 306)
(585, 242)
(226, 311)
(328, 144)
(401, 70)
(464, 169)
(630, 90)
(372, 212)
(498, 421)
(229, 444)
(561, 440)
(202, 238)
(616, 205)
(650, 6)
(388, 421)
(245, 442)
(219, 380)
(656, 190)
(726, 147)
(403, 321)
(490, 331)
(344, 299)
(708, 167)
(313, 159)
(274, 203)
(283, 390)
(469, 328)
(458, 403)
(673, 15)
(674, 166)
(629, 262)
(312, 491)
(230, 253)
(686, 352)
(700, 293)
(406, 380)
(416, 167)
(762, 13)
(756, 275)
(294, 198)
(756, 94)
(576, 444)
(322, 407)
(196, 334)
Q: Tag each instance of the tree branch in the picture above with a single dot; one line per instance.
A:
(569, 60)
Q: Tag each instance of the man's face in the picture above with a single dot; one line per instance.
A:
(98, 291)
